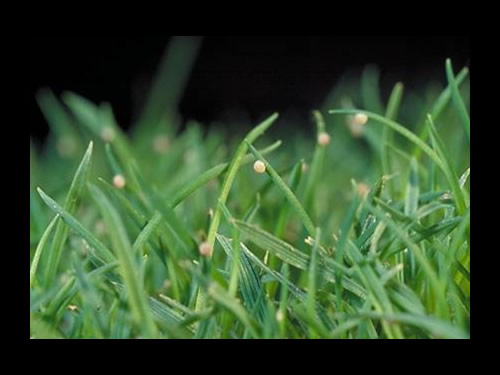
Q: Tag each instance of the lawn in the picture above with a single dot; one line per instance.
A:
(357, 227)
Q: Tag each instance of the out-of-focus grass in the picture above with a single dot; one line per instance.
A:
(364, 233)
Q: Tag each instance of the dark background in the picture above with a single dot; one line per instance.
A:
(254, 74)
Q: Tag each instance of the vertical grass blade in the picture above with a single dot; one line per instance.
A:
(233, 170)
(457, 99)
(70, 206)
(391, 113)
(129, 270)
(447, 167)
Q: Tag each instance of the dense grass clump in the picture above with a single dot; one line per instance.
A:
(359, 228)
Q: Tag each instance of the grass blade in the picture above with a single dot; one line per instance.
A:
(39, 249)
(104, 254)
(398, 128)
(233, 170)
(457, 99)
(70, 205)
(211, 174)
(128, 269)
(292, 199)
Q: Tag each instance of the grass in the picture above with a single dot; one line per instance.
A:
(365, 235)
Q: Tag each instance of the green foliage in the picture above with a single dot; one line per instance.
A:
(367, 242)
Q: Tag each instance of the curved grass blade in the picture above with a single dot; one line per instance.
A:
(292, 199)
(70, 205)
(39, 249)
(398, 128)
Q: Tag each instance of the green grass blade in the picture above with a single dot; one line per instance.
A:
(251, 285)
(170, 81)
(211, 174)
(316, 164)
(399, 129)
(146, 233)
(39, 249)
(439, 106)
(233, 170)
(103, 253)
(457, 99)
(448, 169)
(391, 113)
(287, 192)
(128, 269)
(70, 206)
(283, 250)
(436, 327)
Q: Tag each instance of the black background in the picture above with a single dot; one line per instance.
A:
(254, 74)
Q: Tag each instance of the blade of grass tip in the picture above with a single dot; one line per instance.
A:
(59, 121)
(410, 209)
(438, 108)
(170, 81)
(113, 164)
(136, 295)
(398, 128)
(39, 249)
(370, 89)
(100, 121)
(211, 174)
(457, 99)
(233, 170)
(448, 169)
(106, 255)
(391, 113)
(289, 195)
(317, 162)
(70, 206)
